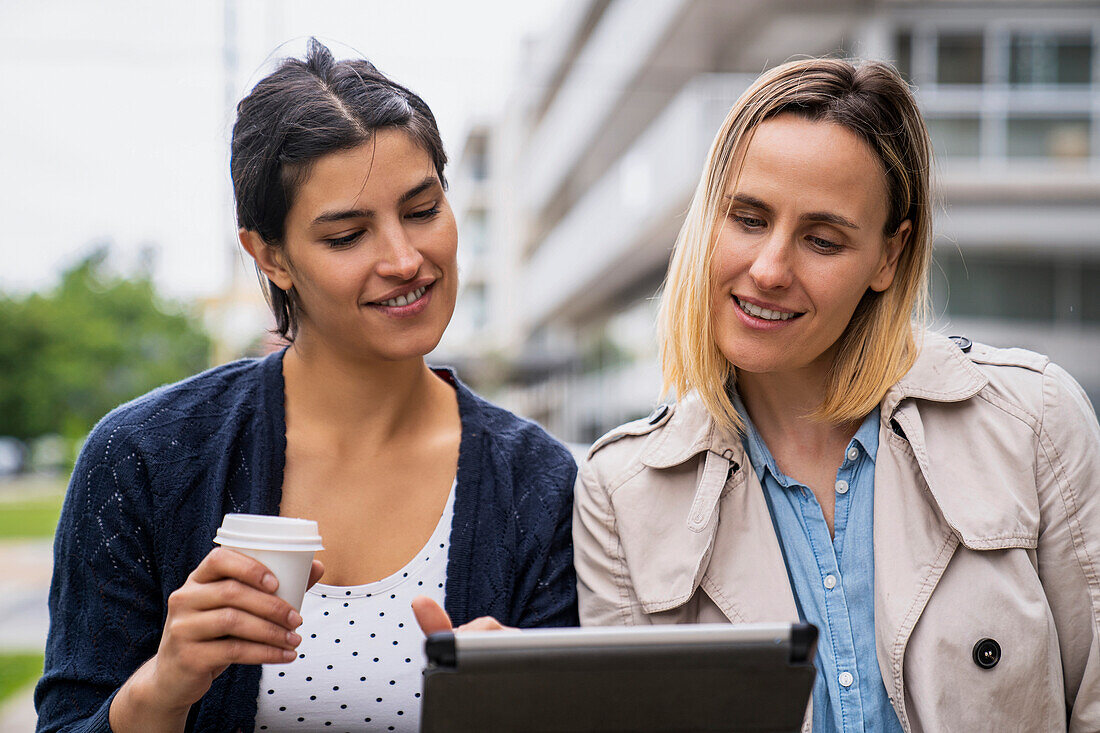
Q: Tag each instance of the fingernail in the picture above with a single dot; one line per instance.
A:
(288, 655)
(293, 639)
(295, 618)
(269, 583)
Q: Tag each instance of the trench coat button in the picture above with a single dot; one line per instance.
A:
(987, 652)
(962, 342)
(660, 412)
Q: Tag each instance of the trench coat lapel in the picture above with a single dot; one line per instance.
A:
(913, 540)
(743, 571)
(912, 546)
(747, 577)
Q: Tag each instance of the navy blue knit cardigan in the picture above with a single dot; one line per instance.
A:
(156, 476)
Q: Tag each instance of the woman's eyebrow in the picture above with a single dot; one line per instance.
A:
(826, 217)
(328, 217)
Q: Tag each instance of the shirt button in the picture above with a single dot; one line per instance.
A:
(842, 487)
(853, 453)
(846, 679)
(830, 581)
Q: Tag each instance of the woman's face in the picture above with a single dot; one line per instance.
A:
(370, 250)
(802, 243)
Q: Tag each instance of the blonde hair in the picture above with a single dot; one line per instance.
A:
(877, 347)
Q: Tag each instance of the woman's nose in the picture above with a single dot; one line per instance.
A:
(400, 258)
(771, 269)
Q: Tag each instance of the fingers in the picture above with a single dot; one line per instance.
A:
(431, 617)
(221, 653)
(225, 563)
(315, 573)
(218, 623)
(236, 595)
(484, 623)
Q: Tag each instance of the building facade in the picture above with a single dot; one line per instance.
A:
(587, 176)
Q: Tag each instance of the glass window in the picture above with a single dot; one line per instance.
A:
(959, 59)
(1050, 59)
(957, 137)
(903, 54)
(475, 232)
(478, 305)
(988, 285)
(1046, 137)
(1090, 292)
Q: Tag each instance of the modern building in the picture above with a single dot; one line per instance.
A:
(591, 169)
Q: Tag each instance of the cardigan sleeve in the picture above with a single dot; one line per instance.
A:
(105, 600)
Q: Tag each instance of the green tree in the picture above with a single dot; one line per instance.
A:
(96, 340)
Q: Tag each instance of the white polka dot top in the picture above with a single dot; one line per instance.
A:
(360, 663)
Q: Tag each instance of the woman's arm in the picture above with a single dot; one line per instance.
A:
(116, 657)
(1069, 540)
(226, 613)
(602, 593)
(546, 587)
(104, 603)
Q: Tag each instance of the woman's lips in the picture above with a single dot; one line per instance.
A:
(762, 318)
(404, 306)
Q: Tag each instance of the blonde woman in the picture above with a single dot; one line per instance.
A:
(930, 504)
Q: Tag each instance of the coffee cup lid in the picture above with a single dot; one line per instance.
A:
(262, 532)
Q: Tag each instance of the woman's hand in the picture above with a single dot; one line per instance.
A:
(433, 618)
(226, 613)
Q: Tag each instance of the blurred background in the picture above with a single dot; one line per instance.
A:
(577, 130)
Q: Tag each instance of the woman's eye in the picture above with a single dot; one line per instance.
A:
(749, 222)
(824, 245)
(345, 241)
(425, 213)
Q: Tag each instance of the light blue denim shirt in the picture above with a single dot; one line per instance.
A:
(833, 579)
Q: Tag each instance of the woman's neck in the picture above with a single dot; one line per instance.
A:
(780, 406)
(343, 397)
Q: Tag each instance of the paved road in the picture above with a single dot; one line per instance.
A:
(17, 714)
(24, 589)
(24, 621)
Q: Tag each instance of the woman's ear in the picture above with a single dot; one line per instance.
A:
(894, 246)
(269, 259)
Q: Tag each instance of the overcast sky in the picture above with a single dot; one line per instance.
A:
(115, 127)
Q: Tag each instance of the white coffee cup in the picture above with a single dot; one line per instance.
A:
(285, 545)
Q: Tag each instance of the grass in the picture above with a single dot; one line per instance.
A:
(18, 671)
(29, 507)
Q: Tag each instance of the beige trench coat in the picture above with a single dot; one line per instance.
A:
(986, 525)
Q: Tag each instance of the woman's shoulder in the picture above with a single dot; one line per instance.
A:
(1010, 375)
(518, 441)
(674, 433)
(1011, 383)
(185, 410)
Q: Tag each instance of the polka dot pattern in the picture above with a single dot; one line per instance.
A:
(361, 658)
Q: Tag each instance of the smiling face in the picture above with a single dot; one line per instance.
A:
(370, 251)
(802, 242)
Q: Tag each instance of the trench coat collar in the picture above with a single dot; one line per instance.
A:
(689, 431)
(941, 373)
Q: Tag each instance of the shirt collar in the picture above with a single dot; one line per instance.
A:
(759, 456)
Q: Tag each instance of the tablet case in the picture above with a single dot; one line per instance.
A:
(713, 677)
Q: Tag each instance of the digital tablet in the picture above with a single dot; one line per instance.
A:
(702, 677)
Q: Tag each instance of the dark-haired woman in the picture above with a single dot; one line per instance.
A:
(419, 486)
